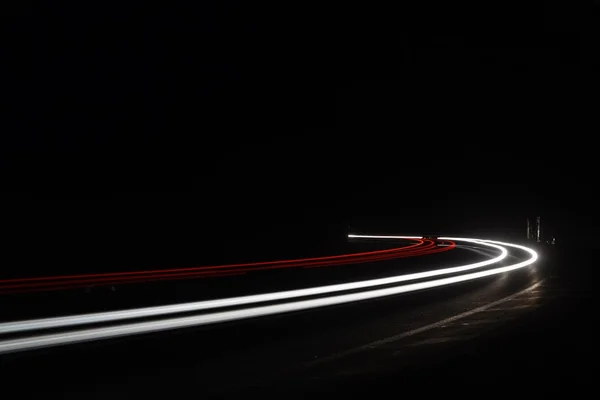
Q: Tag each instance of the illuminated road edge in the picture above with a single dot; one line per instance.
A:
(82, 335)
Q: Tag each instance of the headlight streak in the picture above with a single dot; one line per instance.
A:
(83, 335)
(59, 322)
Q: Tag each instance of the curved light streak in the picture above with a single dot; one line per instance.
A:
(300, 261)
(24, 285)
(224, 316)
(110, 316)
(232, 315)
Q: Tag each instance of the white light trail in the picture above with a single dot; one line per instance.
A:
(59, 322)
(40, 341)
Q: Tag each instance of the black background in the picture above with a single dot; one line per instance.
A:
(212, 132)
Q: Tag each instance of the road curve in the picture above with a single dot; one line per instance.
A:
(304, 299)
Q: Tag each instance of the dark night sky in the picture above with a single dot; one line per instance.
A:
(231, 114)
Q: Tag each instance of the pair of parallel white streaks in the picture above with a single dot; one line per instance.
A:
(130, 328)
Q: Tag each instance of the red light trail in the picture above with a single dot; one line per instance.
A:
(65, 282)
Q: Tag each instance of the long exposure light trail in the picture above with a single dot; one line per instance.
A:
(130, 328)
(53, 283)
(234, 301)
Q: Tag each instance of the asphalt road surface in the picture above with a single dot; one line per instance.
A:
(526, 330)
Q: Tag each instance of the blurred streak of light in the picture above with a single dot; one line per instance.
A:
(47, 323)
(379, 255)
(224, 316)
(229, 266)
